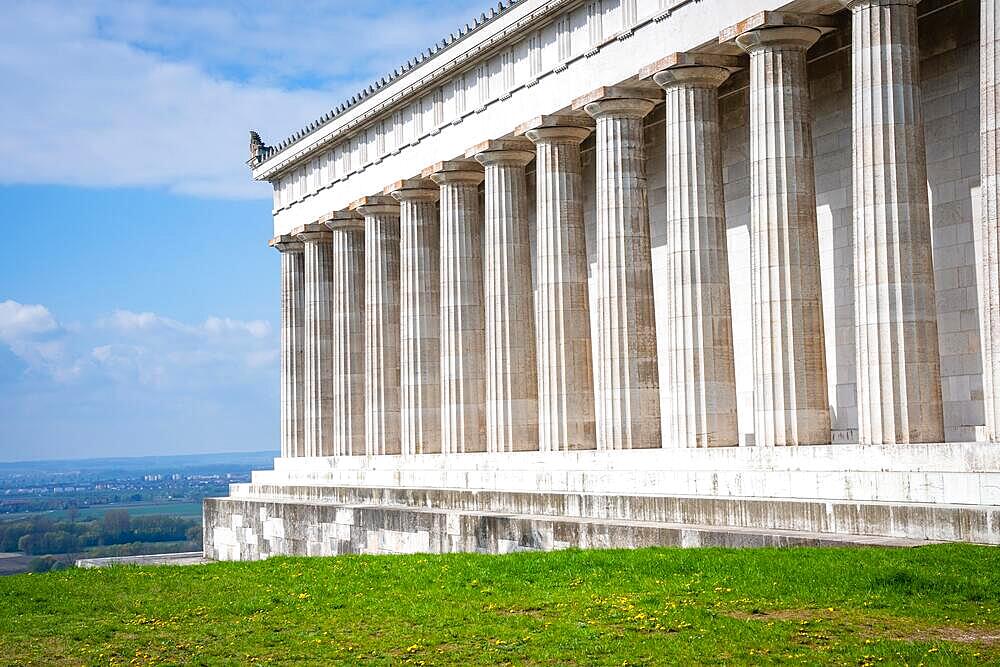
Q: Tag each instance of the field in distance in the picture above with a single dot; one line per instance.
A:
(931, 605)
(180, 509)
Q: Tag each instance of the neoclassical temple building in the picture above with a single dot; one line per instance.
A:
(639, 272)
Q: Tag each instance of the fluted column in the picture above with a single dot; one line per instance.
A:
(348, 310)
(381, 213)
(292, 330)
(701, 376)
(463, 334)
(511, 373)
(790, 391)
(628, 386)
(317, 384)
(562, 308)
(989, 55)
(419, 316)
(899, 369)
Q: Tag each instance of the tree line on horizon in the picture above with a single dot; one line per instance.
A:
(44, 535)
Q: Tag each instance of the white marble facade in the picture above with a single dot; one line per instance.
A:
(633, 224)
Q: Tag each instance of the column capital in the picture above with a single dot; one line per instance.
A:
(455, 171)
(286, 243)
(770, 29)
(502, 151)
(314, 232)
(629, 101)
(564, 127)
(414, 189)
(375, 205)
(692, 69)
(343, 219)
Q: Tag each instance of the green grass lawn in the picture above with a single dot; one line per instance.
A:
(933, 605)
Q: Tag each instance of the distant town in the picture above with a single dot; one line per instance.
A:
(53, 512)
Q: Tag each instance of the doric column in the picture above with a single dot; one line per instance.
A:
(628, 384)
(292, 313)
(381, 323)
(348, 332)
(989, 153)
(562, 308)
(419, 316)
(317, 384)
(899, 370)
(701, 377)
(463, 334)
(511, 373)
(790, 393)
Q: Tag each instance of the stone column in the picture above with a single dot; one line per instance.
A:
(419, 316)
(382, 434)
(511, 373)
(790, 393)
(317, 384)
(562, 310)
(348, 332)
(463, 335)
(292, 312)
(628, 386)
(989, 153)
(899, 369)
(701, 380)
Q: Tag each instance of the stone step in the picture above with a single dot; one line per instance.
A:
(920, 521)
(957, 474)
(248, 529)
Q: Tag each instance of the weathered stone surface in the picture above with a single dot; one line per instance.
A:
(565, 366)
(348, 312)
(628, 389)
(899, 371)
(511, 372)
(989, 150)
(317, 385)
(292, 344)
(701, 382)
(419, 314)
(791, 406)
(382, 339)
(463, 329)
(425, 521)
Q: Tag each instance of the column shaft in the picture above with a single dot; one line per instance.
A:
(292, 351)
(511, 373)
(701, 380)
(628, 391)
(463, 334)
(899, 371)
(420, 313)
(348, 334)
(790, 393)
(562, 309)
(990, 194)
(318, 344)
(382, 333)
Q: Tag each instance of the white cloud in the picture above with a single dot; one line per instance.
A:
(141, 348)
(162, 94)
(19, 321)
(221, 326)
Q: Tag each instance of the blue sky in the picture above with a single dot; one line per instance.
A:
(138, 299)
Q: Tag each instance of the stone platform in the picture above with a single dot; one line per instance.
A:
(494, 503)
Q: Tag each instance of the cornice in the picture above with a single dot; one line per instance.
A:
(293, 150)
